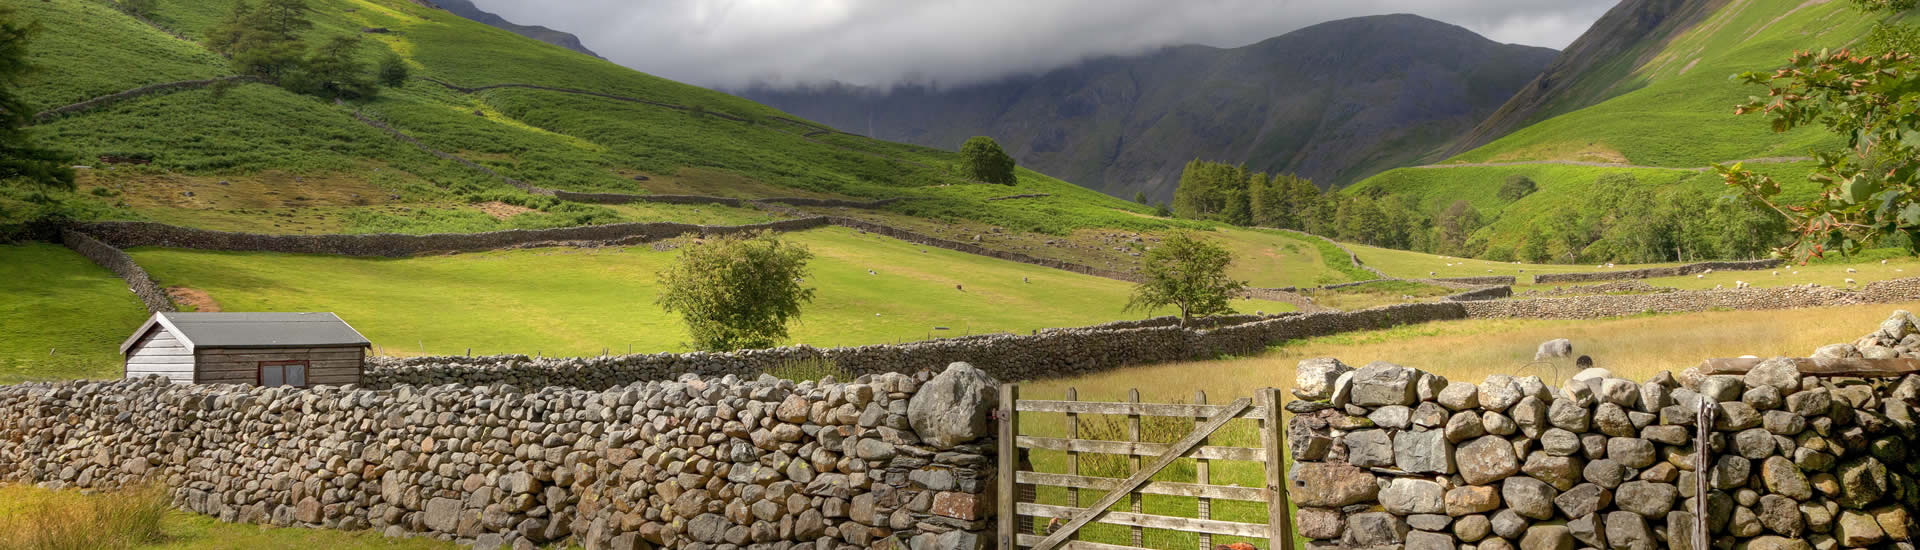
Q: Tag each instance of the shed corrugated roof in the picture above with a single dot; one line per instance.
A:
(253, 330)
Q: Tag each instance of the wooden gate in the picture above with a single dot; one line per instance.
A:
(1056, 521)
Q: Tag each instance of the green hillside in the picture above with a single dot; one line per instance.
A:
(1677, 119)
(254, 157)
(678, 138)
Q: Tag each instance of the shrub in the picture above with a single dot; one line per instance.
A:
(393, 70)
(1517, 187)
(737, 292)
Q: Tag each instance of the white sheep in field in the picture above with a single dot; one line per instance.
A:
(1883, 262)
(1776, 273)
(1741, 284)
(1429, 273)
(1852, 270)
(1719, 287)
(1699, 276)
(1849, 282)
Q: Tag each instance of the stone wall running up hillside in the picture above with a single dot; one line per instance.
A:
(131, 234)
(1652, 272)
(693, 463)
(1391, 456)
(120, 264)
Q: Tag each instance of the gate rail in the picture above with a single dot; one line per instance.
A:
(1018, 482)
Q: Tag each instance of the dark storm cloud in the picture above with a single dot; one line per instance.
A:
(731, 43)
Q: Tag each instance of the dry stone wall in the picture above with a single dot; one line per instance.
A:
(131, 234)
(1048, 354)
(1651, 272)
(1387, 455)
(121, 264)
(1599, 306)
(692, 463)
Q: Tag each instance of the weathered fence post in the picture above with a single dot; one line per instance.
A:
(1279, 524)
(1008, 417)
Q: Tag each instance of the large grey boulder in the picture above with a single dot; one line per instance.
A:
(954, 407)
(1499, 392)
(1628, 531)
(1781, 373)
(1650, 500)
(1528, 497)
(1408, 496)
(1423, 452)
(1547, 537)
(1382, 383)
(1313, 379)
(1486, 460)
(1331, 484)
(1375, 529)
(1370, 448)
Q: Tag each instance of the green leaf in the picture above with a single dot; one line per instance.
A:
(1910, 215)
(1855, 190)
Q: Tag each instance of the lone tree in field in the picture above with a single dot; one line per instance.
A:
(737, 291)
(983, 160)
(19, 158)
(1189, 273)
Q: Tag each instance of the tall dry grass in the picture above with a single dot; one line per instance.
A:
(32, 518)
(1632, 347)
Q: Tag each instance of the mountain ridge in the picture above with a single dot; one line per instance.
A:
(466, 8)
(1125, 124)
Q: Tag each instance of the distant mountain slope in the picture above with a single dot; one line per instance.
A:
(1662, 102)
(1334, 102)
(1597, 66)
(465, 8)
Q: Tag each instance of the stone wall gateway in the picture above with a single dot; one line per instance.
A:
(690, 463)
(1386, 456)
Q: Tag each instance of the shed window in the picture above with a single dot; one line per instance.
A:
(283, 373)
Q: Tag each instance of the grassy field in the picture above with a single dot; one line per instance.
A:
(61, 316)
(1377, 294)
(32, 518)
(584, 301)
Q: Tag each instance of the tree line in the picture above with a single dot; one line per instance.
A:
(1618, 220)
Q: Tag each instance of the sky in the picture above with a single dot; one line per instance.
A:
(781, 43)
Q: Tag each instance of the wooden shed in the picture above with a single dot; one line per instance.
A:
(266, 349)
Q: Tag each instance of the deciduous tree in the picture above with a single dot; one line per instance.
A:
(982, 159)
(1187, 272)
(737, 292)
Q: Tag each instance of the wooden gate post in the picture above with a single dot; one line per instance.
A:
(1009, 458)
(1279, 525)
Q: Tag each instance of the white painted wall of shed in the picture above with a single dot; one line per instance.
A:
(159, 352)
